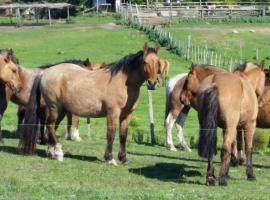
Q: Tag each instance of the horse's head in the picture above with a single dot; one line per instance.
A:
(151, 65)
(255, 75)
(190, 87)
(163, 70)
(9, 72)
(11, 54)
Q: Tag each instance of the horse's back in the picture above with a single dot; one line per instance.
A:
(235, 96)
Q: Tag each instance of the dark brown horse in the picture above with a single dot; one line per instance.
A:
(110, 92)
(227, 100)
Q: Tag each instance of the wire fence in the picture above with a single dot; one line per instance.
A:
(201, 54)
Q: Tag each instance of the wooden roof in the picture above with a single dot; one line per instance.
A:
(35, 5)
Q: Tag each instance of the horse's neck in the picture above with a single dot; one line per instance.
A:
(135, 79)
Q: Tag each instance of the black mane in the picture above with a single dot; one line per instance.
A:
(10, 52)
(128, 63)
(72, 61)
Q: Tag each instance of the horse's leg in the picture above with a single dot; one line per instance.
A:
(43, 135)
(4, 99)
(234, 160)
(88, 121)
(112, 118)
(69, 124)
(20, 114)
(249, 133)
(229, 136)
(75, 129)
(240, 156)
(124, 122)
(54, 148)
(170, 120)
(210, 176)
(179, 126)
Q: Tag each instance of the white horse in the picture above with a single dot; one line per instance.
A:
(175, 112)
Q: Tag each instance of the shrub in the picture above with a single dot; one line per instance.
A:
(260, 140)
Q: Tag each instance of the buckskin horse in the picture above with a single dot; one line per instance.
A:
(21, 98)
(227, 100)
(110, 92)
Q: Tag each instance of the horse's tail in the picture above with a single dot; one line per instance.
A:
(208, 111)
(32, 117)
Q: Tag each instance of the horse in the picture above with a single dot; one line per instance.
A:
(74, 134)
(10, 81)
(176, 112)
(227, 100)
(111, 92)
(263, 118)
(21, 98)
(164, 67)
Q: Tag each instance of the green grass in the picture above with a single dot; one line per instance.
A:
(221, 39)
(153, 171)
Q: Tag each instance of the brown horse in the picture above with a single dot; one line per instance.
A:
(73, 131)
(263, 118)
(229, 101)
(110, 92)
(10, 81)
(27, 77)
(176, 112)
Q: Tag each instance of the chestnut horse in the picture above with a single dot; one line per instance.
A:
(10, 80)
(110, 92)
(176, 112)
(227, 100)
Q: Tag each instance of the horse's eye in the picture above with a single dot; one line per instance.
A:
(14, 71)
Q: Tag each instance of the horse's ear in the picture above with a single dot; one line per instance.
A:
(262, 64)
(7, 58)
(87, 61)
(145, 49)
(157, 48)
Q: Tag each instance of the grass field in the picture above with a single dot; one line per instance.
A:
(230, 40)
(153, 171)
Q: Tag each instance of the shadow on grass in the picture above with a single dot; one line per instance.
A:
(42, 153)
(9, 134)
(165, 156)
(169, 172)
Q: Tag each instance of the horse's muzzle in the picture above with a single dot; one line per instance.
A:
(151, 85)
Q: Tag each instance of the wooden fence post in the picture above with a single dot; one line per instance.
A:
(151, 116)
(50, 19)
(188, 46)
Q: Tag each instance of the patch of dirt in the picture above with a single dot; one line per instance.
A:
(22, 28)
(228, 28)
(111, 26)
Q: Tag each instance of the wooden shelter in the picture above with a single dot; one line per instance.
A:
(35, 6)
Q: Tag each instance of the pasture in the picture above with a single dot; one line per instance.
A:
(153, 171)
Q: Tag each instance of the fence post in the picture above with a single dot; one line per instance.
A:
(257, 54)
(188, 46)
(151, 116)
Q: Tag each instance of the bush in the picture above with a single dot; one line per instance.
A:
(260, 140)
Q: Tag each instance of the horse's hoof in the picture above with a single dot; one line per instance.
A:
(187, 149)
(241, 161)
(251, 178)
(234, 162)
(112, 162)
(223, 181)
(172, 148)
(56, 152)
(125, 162)
(211, 181)
(77, 139)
